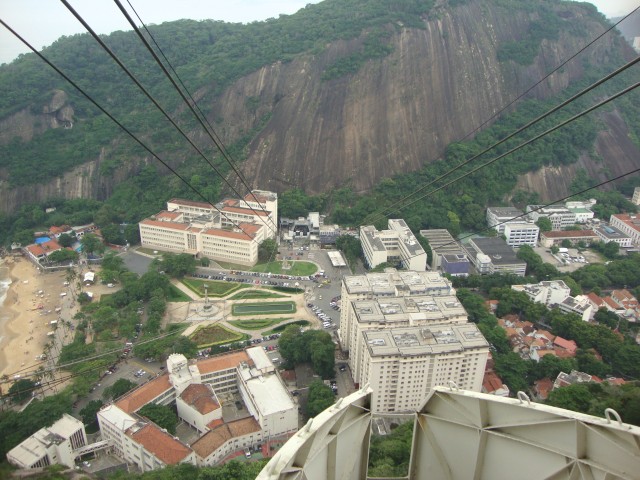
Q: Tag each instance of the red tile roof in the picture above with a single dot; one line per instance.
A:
(491, 382)
(611, 303)
(222, 362)
(595, 299)
(568, 233)
(543, 387)
(36, 250)
(139, 397)
(626, 218)
(165, 224)
(166, 448)
(568, 345)
(191, 203)
(246, 211)
(168, 215)
(200, 397)
(216, 438)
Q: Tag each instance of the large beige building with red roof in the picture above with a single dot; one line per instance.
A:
(207, 394)
(230, 231)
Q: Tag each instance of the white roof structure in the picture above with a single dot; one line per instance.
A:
(89, 277)
(116, 416)
(460, 435)
(267, 392)
(260, 359)
(337, 260)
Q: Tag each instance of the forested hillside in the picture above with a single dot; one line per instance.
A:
(343, 97)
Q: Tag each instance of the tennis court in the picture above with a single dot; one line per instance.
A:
(264, 308)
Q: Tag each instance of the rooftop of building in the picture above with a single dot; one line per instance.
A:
(505, 211)
(190, 203)
(425, 340)
(394, 282)
(631, 220)
(441, 240)
(145, 393)
(267, 391)
(497, 249)
(222, 433)
(201, 397)
(407, 309)
(165, 447)
(610, 232)
(372, 236)
(261, 196)
(221, 362)
(568, 234)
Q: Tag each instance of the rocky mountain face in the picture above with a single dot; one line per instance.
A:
(439, 84)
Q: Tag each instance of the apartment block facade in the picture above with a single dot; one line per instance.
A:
(629, 224)
(518, 234)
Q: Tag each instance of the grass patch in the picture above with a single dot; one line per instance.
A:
(210, 335)
(280, 328)
(298, 267)
(214, 289)
(253, 294)
(287, 289)
(177, 295)
(263, 308)
(256, 323)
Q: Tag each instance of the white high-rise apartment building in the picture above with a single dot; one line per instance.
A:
(403, 365)
(406, 332)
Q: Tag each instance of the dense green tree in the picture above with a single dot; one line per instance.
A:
(62, 256)
(544, 224)
(21, 390)
(112, 234)
(389, 454)
(555, 249)
(177, 265)
(119, 388)
(267, 250)
(205, 262)
(90, 411)
(66, 240)
(550, 366)
(513, 370)
(320, 398)
(91, 244)
(161, 415)
(350, 247)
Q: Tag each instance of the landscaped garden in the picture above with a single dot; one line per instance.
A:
(298, 267)
(255, 294)
(257, 323)
(214, 289)
(177, 295)
(209, 335)
(263, 308)
(280, 328)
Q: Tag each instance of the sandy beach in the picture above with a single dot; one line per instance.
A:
(29, 307)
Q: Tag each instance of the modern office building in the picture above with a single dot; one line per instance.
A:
(518, 234)
(206, 394)
(457, 265)
(556, 294)
(397, 245)
(629, 224)
(57, 444)
(493, 255)
(230, 232)
(498, 217)
(460, 435)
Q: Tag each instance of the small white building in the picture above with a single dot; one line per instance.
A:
(518, 234)
(52, 445)
(396, 245)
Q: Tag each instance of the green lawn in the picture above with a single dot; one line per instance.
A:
(253, 294)
(280, 328)
(177, 295)
(214, 289)
(257, 324)
(298, 267)
(263, 308)
(215, 335)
